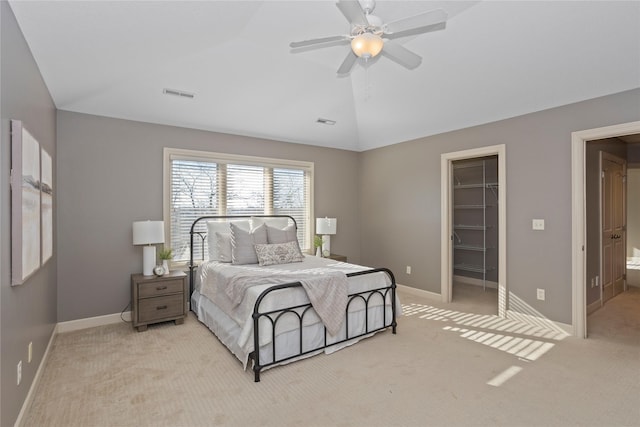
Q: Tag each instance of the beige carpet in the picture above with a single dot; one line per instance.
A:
(446, 366)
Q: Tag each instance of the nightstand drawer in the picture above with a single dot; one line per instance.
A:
(164, 287)
(151, 309)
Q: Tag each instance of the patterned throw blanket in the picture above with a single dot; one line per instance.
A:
(327, 292)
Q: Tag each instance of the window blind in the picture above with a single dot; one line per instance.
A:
(215, 184)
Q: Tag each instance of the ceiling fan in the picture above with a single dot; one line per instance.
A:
(370, 36)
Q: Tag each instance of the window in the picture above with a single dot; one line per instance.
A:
(200, 183)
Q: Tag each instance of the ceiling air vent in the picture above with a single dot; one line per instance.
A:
(178, 93)
(326, 121)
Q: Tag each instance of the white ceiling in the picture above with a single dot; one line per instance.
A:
(494, 60)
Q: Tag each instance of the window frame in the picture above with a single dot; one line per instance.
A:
(170, 154)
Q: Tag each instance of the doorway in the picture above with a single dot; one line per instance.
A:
(579, 212)
(449, 239)
(474, 203)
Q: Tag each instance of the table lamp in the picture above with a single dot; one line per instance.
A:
(148, 233)
(326, 226)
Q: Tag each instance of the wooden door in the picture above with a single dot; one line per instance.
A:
(613, 225)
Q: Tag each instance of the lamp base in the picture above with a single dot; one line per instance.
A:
(148, 260)
(326, 244)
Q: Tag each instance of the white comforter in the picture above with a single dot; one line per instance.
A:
(214, 276)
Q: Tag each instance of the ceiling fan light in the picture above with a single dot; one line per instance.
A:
(367, 45)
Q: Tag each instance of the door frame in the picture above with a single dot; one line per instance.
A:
(578, 216)
(446, 229)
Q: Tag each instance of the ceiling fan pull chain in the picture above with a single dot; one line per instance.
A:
(366, 84)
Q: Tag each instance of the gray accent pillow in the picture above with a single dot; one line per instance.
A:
(214, 227)
(242, 244)
(278, 253)
(288, 234)
(277, 235)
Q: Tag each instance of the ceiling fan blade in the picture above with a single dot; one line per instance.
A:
(347, 64)
(321, 40)
(401, 55)
(423, 20)
(353, 12)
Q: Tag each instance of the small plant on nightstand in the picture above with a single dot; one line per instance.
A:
(317, 242)
(165, 255)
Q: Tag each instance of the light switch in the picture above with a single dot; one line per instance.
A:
(538, 224)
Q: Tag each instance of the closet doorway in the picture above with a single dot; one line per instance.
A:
(475, 197)
(473, 230)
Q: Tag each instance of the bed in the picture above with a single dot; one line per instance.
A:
(269, 310)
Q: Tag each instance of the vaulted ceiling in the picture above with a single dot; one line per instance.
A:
(494, 60)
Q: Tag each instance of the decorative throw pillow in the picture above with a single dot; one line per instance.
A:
(278, 253)
(223, 242)
(242, 244)
(222, 227)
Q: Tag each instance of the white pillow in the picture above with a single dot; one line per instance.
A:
(280, 223)
(223, 243)
(221, 227)
(242, 244)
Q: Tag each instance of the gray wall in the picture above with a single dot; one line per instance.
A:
(400, 199)
(28, 312)
(617, 148)
(110, 174)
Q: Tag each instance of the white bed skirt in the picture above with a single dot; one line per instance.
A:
(287, 343)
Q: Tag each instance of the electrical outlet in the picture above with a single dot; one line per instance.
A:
(30, 351)
(593, 281)
(540, 294)
(408, 269)
(537, 224)
(19, 372)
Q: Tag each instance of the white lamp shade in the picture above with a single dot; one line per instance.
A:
(148, 232)
(326, 225)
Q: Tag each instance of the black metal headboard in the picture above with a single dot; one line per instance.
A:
(203, 235)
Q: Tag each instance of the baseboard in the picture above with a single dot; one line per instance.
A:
(561, 328)
(36, 380)
(475, 282)
(594, 306)
(419, 292)
(92, 322)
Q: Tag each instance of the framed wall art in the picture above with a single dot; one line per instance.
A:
(25, 204)
(46, 204)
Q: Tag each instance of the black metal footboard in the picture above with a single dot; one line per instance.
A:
(301, 310)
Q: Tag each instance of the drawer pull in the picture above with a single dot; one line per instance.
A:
(161, 288)
(161, 307)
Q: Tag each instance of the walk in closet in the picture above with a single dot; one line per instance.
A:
(475, 221)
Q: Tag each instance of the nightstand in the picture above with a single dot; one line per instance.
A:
(337, 257)
(158, 299)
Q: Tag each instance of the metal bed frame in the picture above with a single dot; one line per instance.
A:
(300, 310)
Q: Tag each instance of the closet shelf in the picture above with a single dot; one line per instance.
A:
(472, 267)
(468, 165)
(487, 185)
(471, 227)
(469, 206)
(471, 248)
